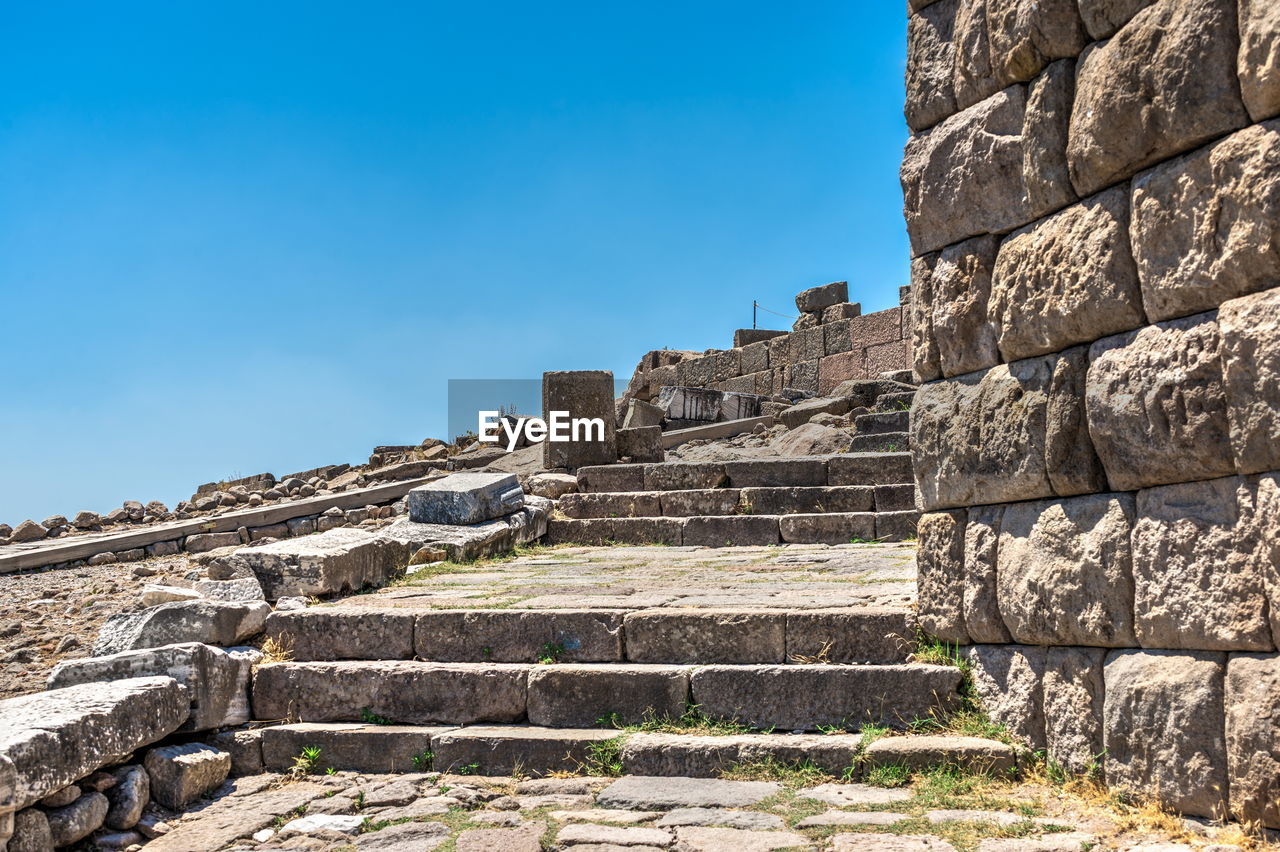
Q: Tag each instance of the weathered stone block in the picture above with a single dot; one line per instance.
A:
(245, 748)
(931, 61)
(1163, 728)
(611, 478)
(1260, 508)
(755, 356)
(1069, 458)
(1259, 62)
(765, 473)
(965, 335)
(181, 774)
(869, 469)
(1184, 51)
(626, 504)
(466, 498)
(1009, 680)
(809, 500)
(353, 747)
(602, 532)
(644, 443)
(1156, 404)
(1251, 360)
(926, 363)
(661, 377)
(732, 530)
(739, 405)
(1045, 132)
(565, 696)
(1206, 227)
(642, 413)
(504, 750)
(897, 526)
(817, 298)
(779, 351)
(690, 403)
(803, 375)
(975, 77)
(682, 636)
(210, 622)
(745, 338)
(941, 575)
(875, 636)
(1252, 700)
(1067, 279)
(337, 560)
(922, 753)
(713, 501)
(1073, 696)
(74, 822)
(888, 358)
(678, 476)
(827, 528)
(320, 633)
(1104, 18)
(584, 394)
(1026, 35)
(519, 636)
(1065, 571)
(980, 438)
(808, 345)
(1197, 582)
(833, 370)
(842, 311)
(981, 607)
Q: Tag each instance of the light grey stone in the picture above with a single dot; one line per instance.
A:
(209, 622)
(1163, 728)
(1252, 701)
(747, 820)
(1251, 359)
(1026, 35)
(839, 818)
(76, 821)
(578, 834)
(336, 560)
(1065, 571)
(640, 792)
(1044, 138)
(154, 595)
(1259, 62)
(682, 403)
(981, 605)
(1067, 279)
(580, 695)
(931, 60)
(846, 795)
(127, 797)
(863, 842)
(240, 590)
(1009, 681)
(466, 498)
(553, 486)
(1186, 51)
(30, 832)
(1073, 695)
(1156, 404)
(965, 335)
(941, 575)
(921, 753)
(697, 839)
(1260, 509)
(317, 823)
(180, 774)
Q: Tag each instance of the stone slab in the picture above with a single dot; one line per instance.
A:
(504, 750)
(639, 792)
(519, 636)
(680, 636)
(583, 695)
(337, 560)
(465, 498)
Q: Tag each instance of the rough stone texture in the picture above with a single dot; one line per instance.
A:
(827, 528)
(680, 636)
(964, 176)
(1009, 681)
(1163, 728)
(519, 636)
(180, 774)
(210, 675)
(1253, 737)
(1206, 227)
(1104, 18)
(76, 821)
(579, 696)
(866, 842)
(869, 469)
(1044, 137)
(1260, 505)
(504, 750)
(817, 298)
(1186, 52)
(626, 504)
(644, 443)
(920, 753)
(1065, 571)
(1067, 279)
(245, 748)
(1197, 582)
(1070, 459)
(1026, 35)
(30, 832)
(804, 500)
(974, 79)
(685, 504)
(941, 575)
(979, 438)
(1073, 694)
(926, 363)
(1259, 62)
(1251, 360)
(466, 498)
(683, 755)
(585, 394)
(774, 473)
(733, 530)
(337, 560)
(319, 633)
(931, 59)
(210, 622)
(641, 792)
(864, 635)
(1156, 404)
(127, 797)
(981, 606)
(683, 476)
(962, 328)
(354, 747)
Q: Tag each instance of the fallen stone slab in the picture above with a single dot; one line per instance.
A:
(519, 636)
(469, 543)
(55, 738)
(505, 750)
(321, 633)
(353, 747)
(208, 622)
(462, 499)
(583, 695)
(918, 753)
(336, 560)
(317, 823)
(214, 678)
(240, 590)
(640, 792)
(181, 774)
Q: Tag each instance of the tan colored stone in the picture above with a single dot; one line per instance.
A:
(1185, 52)
(982, 619)
(1156, 404)
(1163, 728)
(941, 575)
(1251, 360)
(1070, 460)
(1073, 695)
(1196, 578)
(1026, 35)
(681, 636)
(926, 364)
(1260, 507)
(965, 335)
(1067, 279)
(181, 774)
(975, 76)
(1065, 572)
(1206, 227)
(1009, 681)
(1253, 737)
(1045, 132)
(1104, 18)
(920, 753)
(582, 695)
(931, 65)
(1259, 63)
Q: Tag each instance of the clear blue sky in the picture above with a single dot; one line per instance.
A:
(239, 237)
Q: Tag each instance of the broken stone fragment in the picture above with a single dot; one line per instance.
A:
(180, 774)
(210, 622)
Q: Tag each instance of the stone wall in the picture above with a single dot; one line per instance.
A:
(1092, 193)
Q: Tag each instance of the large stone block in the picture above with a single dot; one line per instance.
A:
(468, 543)
(834, 370)
(682, 476)
(519, 636)
(567, 696)
(809, 344)
(1156, 404)
(625, 504)
(731, 530)
(981, 603)
(1259, 63)
(350, 746)
(682, 636)
(181, 774)
(466, 498)
(710, 501)
(55, 738)
(644, 443)
(210, 622)
(336, 560)
(867, 635)
(1163, 728)
(1069, 457)
(690, 403)
(1073, 696)
(803, 375)
(1252, 699)
(1206, 227)
(962, 326)
(322, 633)
(1104, 18)
(584, 394)
(1026, 35)
(1045, 132)
(1067, 279)
(1260, 506)
(755, 356)
(931, 62)
(817, 298)
(1163, 85)
(964, 176)
(926, 363)
(1009, 681)
(975, 75)
(610, 478)
(1198, 584)
(1251, 360)
(827, 528)
(1065, 571)
(776, 473)
(980, 438)
(940, 559)
(216, 680)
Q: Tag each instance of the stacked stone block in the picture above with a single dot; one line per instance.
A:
(1092, 193)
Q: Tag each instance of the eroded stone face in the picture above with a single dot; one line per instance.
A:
(1065, 571)
(982, 619)
(1196, 578)
(1260, 506)
(1045, 131)
(926, 364)
(1185, 51)
(1009, 682)
(1156, 404)
(1103, 18)
(940, 563)
(1253, 750)
(1260, 57)
(1163, 725)
(1206, 227)
(1067, 279)
(1070, 460)
(974, 79)
(1026, 35)
(1251, 359)
(962, 329)
(1073, 699)
(931, 60)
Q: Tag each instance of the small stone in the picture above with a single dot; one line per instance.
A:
(27, 531)
(61, 798)
(524, 839)
(749, 820)
(78, 820)
(127, 797)
(651, 793)
(181, 774)
(154, 595)
(736, 840)
(315, 823)
(852, 818)
(580, 833)
(86, 520)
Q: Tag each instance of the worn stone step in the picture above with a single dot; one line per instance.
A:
(694, 756)
(900, 401)
(773, 500)
(736, 530)
(884, 442)
(869, 464)
(883, 422)
(658, 635)
(731, 530)
(608, 531)
(848, 527)
(870, 468)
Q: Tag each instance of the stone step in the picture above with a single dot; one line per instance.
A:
(739, 501)
(873, 468)
(884, 442)
(846, 635)
(901, 401)
(736, 530)
(883, 422)
(787, 697)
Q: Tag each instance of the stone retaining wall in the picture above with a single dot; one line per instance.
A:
(1092, 192)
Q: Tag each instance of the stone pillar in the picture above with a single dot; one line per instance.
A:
(583, 394)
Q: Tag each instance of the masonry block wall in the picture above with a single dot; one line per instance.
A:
(1092, 193)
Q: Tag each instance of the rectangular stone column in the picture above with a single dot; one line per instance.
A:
(583, 394)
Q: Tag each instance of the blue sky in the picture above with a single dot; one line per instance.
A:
(240, 237)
